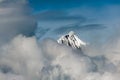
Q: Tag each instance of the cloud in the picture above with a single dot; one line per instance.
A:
(15, 18)
(25, 59)
(22, 57)
(52, 19)
(80, 27)
(55, 15)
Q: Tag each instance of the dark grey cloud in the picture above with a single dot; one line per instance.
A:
(15, 18)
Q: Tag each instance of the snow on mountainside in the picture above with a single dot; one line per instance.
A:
(71, 40)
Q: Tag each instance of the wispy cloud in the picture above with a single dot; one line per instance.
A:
(96, 21)
(55, 15)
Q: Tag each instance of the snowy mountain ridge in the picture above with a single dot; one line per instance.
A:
(71, 40)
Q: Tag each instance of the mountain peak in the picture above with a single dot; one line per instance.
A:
(71, 40)
(71, 33)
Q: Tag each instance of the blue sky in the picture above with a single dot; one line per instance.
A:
(38, 5)
(90, 19)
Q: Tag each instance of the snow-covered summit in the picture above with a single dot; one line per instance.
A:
(71, 40)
